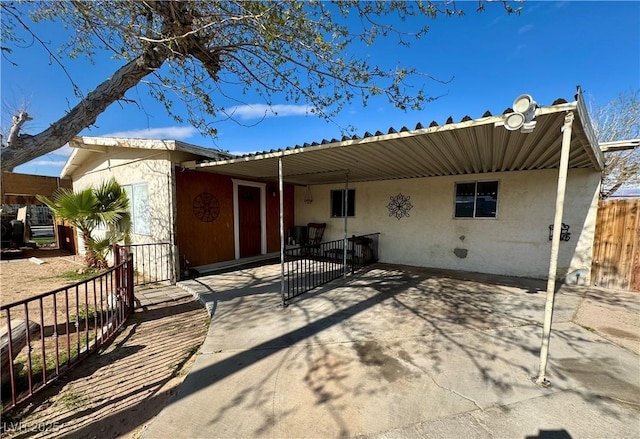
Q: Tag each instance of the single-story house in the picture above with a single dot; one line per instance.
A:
(477, 195)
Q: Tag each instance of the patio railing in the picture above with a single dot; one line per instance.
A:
(47, 334)
(152, 262)
(307, 267)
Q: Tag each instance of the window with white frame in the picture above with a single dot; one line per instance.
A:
(476, 199)
(139, 208)
(337, 203)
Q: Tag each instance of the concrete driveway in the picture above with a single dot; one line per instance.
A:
(404, 352)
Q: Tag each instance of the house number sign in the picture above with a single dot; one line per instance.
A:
(206, 207)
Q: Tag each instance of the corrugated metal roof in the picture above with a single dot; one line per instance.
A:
(467, 147)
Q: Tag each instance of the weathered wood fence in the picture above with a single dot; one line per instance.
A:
(616, 247)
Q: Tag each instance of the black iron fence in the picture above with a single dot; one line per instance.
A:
(309, 266)
(152, 262)
(45, 335)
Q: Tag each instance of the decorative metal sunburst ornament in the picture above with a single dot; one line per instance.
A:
(206, 207)
(399, 206)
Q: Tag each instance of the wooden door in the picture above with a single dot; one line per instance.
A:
(249, 221)
(66, 238)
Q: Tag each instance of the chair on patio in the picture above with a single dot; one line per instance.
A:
(315, 232)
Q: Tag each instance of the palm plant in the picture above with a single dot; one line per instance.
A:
(90, 208)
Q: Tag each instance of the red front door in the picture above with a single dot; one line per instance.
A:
(249, 220)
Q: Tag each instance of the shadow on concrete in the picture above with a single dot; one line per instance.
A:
(551, 434)
(402, 325)
(493, 312)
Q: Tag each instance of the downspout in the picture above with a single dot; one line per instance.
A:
(281, 221)
(555, 245)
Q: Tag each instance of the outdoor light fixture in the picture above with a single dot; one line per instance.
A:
(524, 111)
(307, 196)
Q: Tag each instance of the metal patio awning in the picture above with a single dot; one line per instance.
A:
(469, 147)
(562, 139)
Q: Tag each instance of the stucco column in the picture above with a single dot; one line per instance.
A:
(555, 245)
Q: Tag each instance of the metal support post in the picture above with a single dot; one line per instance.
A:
(555, 245)
(281, 220)
(344, 212)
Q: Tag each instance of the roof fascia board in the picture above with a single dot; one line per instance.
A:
(66, 169)
(619, 145)
(123, 142)
(198, 150)
(168, 145)
(96, 148)
(593, 148)
(374, 139)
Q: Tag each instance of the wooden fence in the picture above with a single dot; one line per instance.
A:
(616, 247)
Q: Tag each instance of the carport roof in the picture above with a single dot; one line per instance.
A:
(468, 147)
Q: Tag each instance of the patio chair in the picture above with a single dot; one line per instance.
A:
(315, 231)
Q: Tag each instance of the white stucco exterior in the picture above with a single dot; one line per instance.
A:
(128, 167)
(516, 243)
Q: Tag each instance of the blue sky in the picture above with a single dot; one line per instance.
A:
(487, 58)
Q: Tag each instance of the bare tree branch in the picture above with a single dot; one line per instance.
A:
(17, 123)
(24, 147)
(298, 49)
(619, 120)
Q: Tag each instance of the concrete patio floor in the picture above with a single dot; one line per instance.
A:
(399, 352)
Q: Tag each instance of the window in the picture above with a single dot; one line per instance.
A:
(139, 208)
(476, 199)
(337, 203)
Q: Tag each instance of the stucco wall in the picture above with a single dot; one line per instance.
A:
(128, 167)
(516, 243)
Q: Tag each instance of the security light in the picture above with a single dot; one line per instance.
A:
(514, 121)
(523, 103)
(524, 110)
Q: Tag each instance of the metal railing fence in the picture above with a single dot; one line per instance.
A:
(45, 335)
(152, 262)
(310, 266)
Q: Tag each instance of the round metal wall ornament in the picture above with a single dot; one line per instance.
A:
(399, 206)
(206, 207)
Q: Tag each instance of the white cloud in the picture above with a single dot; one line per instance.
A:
(525, 28)
(163, 133)
(65, 151)
(47, 162)
(259, 111)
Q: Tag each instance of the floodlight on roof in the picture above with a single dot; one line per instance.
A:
(514, 121)
(524, 111)
(523, 103)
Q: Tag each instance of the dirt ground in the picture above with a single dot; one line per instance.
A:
(20, 278)
(116, 392)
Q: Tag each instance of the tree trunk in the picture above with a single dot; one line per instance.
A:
(27, 147)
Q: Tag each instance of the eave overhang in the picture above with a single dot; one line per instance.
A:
(471, 147)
